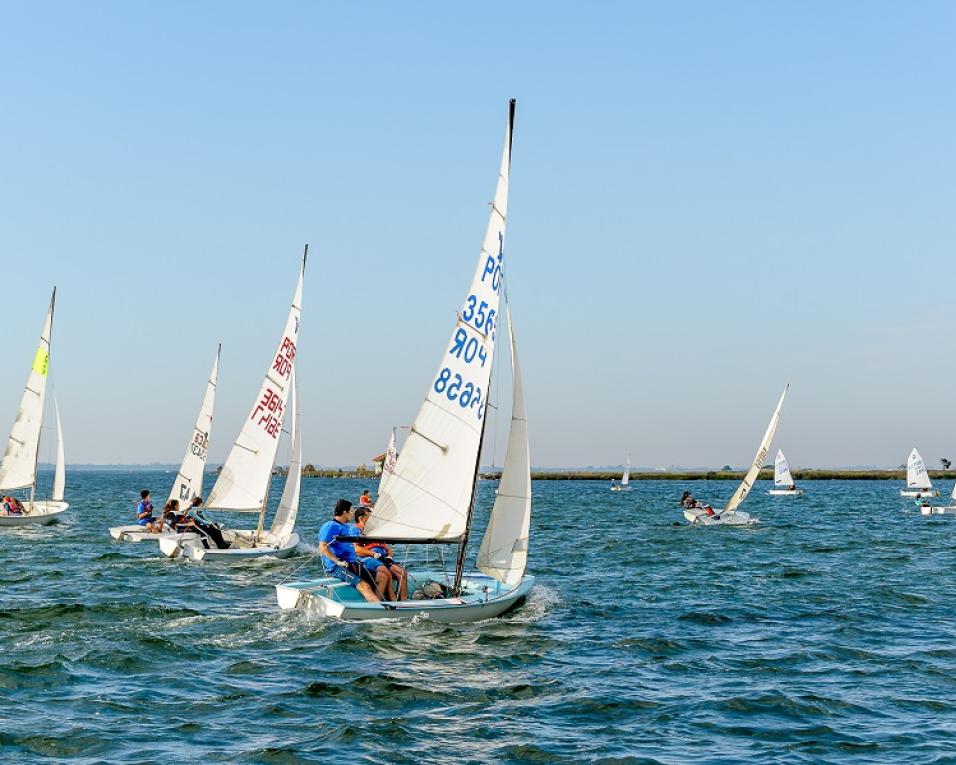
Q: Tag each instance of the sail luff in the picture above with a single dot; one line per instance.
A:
(189, 479)
(59, 472)
(284, 522)
(745, 485)
(244, 480)
(19, 462)
(504, 548)
(429, 494)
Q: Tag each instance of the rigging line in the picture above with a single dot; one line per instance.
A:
(308, 559)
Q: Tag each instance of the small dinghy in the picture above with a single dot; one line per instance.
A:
(783, 485)
(18, 467)
(189, 479)
(430, 496)
(917, 478)
(731, 516)
(624, 485)
(243, 483)
(927, 509)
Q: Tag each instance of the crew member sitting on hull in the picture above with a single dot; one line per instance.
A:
(366, 499)
(339, 558)
(688, 502)
(11, 506)
(377, 558)
(144, 513)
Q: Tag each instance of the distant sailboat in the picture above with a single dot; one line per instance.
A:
(18, 466)
(189, 479)
(928, 509)
(783, 485)
(243, 483)
(730, 516)
(918, 483)
(388, 464)
(430, 498)
(624, 485)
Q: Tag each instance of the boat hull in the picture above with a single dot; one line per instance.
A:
(330, 598)
(137, 533)
(919, 493)
(700, 518)
(192, 548)
(38, 513)
(620, 488)
(938, 510)
(785, 492)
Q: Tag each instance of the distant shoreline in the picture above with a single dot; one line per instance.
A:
(729, 475)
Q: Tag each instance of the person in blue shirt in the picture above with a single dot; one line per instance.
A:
(339, 558)
(144, 513)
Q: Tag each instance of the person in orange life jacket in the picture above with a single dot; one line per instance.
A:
(366, 499)
(339, 558)
(377, 557)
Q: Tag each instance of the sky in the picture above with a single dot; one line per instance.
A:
(708, 201)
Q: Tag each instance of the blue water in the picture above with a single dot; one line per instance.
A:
(826, 634)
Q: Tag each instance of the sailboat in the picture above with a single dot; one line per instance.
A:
(928, 509)
(917, 478)
(243, 483)
(189, 479)
(624, 485)
(430, 497)
(731, 516)
(18, 466)
(783, 485)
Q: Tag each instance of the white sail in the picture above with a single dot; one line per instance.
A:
(781, 471)
(388, 464)
(627, 472)
(504, 548)
(59, 472)
(243, 483)
(745, 485)
(19, 463)
(916, 475)
(189, 479)
(429, 494)
(284, 522)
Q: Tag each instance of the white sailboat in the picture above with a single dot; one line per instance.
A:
(731, 516)
(429, 498)
(783, 485)
(243, 483)
(928, 509)
(918, 483)
(624, 485)
(18, 466)
(189, 479)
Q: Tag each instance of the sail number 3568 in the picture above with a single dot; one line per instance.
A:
(468, 395)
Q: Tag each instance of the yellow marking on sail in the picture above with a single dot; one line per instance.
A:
(41, 361)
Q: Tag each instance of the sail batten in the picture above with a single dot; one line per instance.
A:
(244, 479)
(745, 485)
(430, 492)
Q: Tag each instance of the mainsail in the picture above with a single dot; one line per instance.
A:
(188, 483)
(243, 483)
(284, 522)
(916, 475)
(388, 464)
(19, 463)
(59, 472)
(429, 494)
(745, 485)
(781, 471)
(504, 549)
(627, 472)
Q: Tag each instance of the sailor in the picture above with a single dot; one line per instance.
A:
(144, 513)
(339, 558)
(366, 499)
(687, 501)
(377, 557)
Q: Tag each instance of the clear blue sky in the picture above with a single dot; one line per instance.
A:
(708, 200)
